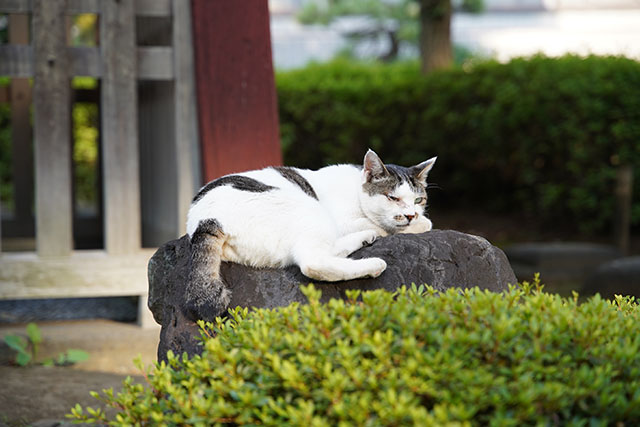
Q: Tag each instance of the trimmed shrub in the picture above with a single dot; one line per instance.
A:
(542, 135)
(463, 357)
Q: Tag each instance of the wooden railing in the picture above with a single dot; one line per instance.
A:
(147, 105)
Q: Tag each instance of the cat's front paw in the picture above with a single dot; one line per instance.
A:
(368, 237)
(421, 225)
(378, 266)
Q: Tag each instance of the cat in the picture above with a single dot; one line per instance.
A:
(281, 216)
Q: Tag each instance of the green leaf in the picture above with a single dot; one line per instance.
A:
(23, 358)
(61, 359)
(33, 331)
(75, 356)
(35, 337)
(16, 342)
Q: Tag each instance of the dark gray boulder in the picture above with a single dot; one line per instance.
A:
(440, 258)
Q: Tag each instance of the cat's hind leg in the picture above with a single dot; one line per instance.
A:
(206, 295)
(348, 244)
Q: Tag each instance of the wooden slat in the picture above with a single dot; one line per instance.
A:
(73, 7)
(142, 7)
(85, 61)
(15, 6)
(52, 130)
(76, 7)
(24, 275)
(153, 63)
(186, 114)
(16, 61)
(119, 128)
(153, 7)
(157, 143)
(158, 162)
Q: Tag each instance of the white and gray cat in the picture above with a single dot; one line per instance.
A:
(281, 216)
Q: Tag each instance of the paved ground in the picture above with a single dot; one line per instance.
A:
(37, 393)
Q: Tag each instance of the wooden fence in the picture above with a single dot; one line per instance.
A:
(148, 142)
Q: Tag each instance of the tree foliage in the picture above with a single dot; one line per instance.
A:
(398, 21)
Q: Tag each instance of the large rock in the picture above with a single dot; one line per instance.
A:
(442, 259)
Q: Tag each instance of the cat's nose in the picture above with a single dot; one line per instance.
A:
(409, 217)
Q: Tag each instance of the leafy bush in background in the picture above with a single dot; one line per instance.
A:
(472, 357)
(540, 135)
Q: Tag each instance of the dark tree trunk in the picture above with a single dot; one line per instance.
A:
(435, 34)
(394, 47)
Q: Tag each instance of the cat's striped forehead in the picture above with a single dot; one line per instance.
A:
(397, 175)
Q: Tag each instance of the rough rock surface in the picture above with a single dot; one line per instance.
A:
(440, 258)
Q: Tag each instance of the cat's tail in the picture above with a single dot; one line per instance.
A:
(206, 295)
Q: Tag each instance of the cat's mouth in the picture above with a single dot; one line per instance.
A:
(399, 218)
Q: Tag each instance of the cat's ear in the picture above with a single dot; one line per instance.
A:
(422, 170)
(373, 168)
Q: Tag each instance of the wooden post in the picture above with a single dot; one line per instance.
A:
(51, 129)
(158, 166)
(168, 131)
(622, 220)
(21, 138)
(186, 114)
(119, 127)
(237, 108)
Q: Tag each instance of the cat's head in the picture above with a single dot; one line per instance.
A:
(393, 196)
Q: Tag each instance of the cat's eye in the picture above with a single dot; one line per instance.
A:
(419, 200)
(392, 198)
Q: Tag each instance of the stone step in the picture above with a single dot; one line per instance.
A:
(620, 276)
(559, 261)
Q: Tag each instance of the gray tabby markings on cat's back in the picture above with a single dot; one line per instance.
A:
(239, 182)
(293, 176)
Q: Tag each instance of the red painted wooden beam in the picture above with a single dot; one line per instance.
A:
(237, 107)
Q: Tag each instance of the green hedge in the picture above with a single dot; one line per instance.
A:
(539, 135)
(468, 357)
